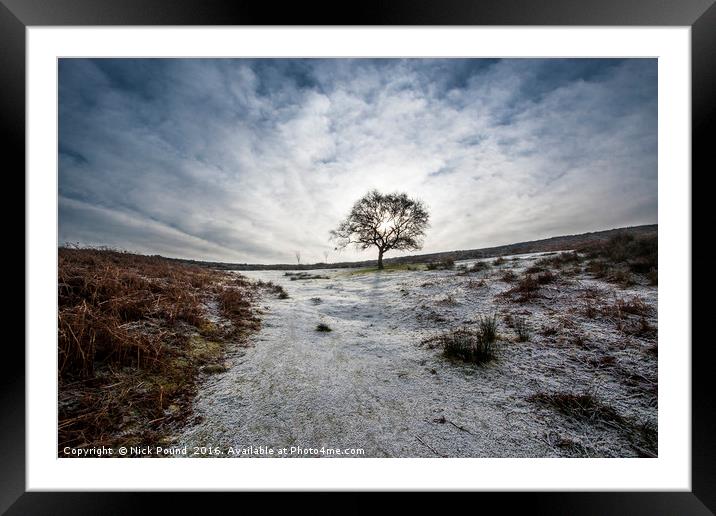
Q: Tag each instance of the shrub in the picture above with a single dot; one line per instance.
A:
(479, 266)
(323, 328)
(621, 277)
(526, 289)
(638, 255)
(559, 260)
(444, 264)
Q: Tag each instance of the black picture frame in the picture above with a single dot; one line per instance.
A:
(700, 15)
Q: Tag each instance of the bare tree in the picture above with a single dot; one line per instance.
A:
(325, 256)
(386, 221)
(298, 256)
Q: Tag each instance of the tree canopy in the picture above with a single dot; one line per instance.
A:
(386, 221)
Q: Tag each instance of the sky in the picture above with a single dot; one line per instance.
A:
(249, 161)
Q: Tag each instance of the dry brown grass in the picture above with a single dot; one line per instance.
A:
(629, 314)
(106, 296)
(529, 286)
(133, 332)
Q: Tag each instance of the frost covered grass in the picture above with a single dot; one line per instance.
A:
(584, 408)
(584, 347)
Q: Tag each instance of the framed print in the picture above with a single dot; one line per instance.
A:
(423, 247)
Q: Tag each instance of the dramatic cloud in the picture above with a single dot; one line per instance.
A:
(249, 160)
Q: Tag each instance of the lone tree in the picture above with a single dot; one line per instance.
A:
(392, 221)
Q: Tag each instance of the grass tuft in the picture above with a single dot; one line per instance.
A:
(472, 345)
(488, 328)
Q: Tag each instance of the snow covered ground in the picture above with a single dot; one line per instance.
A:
(375, 383)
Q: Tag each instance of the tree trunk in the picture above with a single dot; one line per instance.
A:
(380, 259)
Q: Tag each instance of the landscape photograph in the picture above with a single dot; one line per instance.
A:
(357, 257)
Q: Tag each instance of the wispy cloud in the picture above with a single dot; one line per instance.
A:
(249, 160)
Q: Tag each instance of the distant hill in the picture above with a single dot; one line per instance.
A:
(557, 243)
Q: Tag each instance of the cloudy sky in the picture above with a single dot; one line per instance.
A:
(250, 160)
